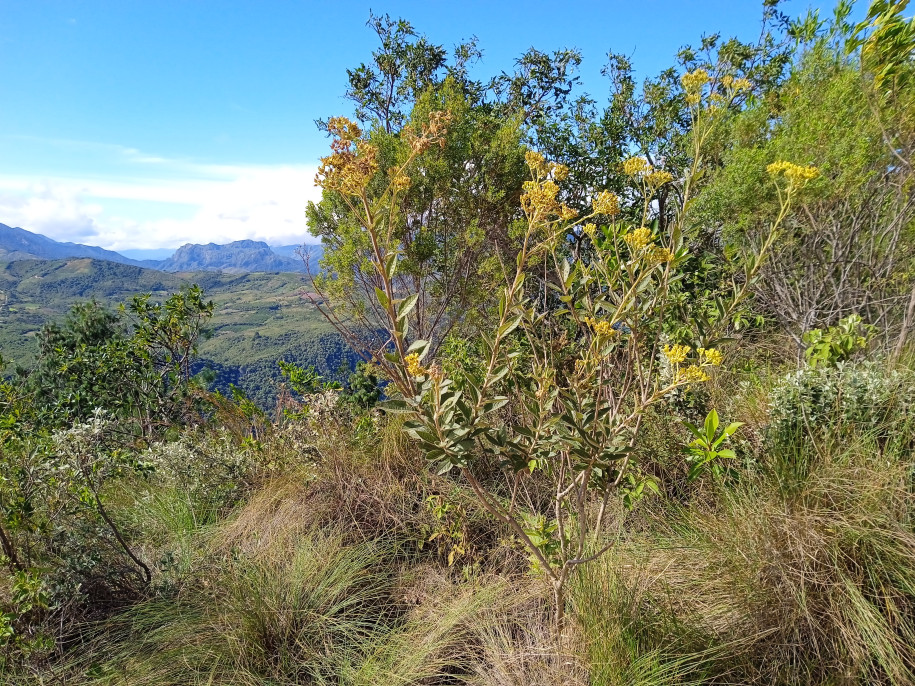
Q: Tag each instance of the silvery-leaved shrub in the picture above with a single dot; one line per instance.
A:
(576, 348)
(211, 468)
(850, 398)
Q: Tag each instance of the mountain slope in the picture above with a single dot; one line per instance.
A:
(238, 257)
(260, 317)
(19, 244)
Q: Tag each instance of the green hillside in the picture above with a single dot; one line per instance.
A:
(259, 318)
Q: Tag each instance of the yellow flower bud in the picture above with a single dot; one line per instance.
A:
(606, 203)
(413, 366)
(635, 166)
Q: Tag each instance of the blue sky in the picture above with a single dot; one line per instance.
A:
(153, 123)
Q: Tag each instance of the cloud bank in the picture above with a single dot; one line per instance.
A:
(145, 201)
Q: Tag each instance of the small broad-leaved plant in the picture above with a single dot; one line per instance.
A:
(705, 452)
(837, 343)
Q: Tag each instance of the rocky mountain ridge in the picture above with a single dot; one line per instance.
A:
(238, 257)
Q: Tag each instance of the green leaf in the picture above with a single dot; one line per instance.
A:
(395, 406)
(382, 297)
(711, 425)
(419, 346)
(494, 404)
(508, 327)
(390, 265)
(407, 305)
(694, 430)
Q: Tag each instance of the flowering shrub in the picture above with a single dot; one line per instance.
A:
(577, 352)
(209, 468)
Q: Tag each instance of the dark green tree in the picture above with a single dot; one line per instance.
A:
(133, 364)
(460, 199)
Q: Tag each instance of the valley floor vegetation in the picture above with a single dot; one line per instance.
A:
(637, 403)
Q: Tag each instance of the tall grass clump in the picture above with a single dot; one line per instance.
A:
(281, 617)
(802, 572)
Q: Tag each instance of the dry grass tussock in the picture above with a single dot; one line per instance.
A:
(796, 588)
(325, 611)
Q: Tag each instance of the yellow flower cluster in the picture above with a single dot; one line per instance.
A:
(413, 366)
(635, 166)
(601, 328)
(638, 239)
(590, 230)
(567, 212)
(710, 356)
(638, 167)
(537, 163)
(560, 172)
(795, 173)
(399, 180)
(742, 85)
(657, 255)
(540, 196)
(352, 162)
(690, 374)
(658, 178)
(737, 85)
(693, 81)
(606, 203)
(676, 354)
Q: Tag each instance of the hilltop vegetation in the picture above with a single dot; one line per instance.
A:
(637, 408)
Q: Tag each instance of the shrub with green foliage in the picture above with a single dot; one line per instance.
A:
(863, 397)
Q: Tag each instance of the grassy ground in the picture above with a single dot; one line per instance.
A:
(327, 553)
(335, 565)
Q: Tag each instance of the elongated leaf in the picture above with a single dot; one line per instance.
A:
(418, 346)
(395, 406)
(509, 326)
(732, 427)
(390, 265)
(711, 425)
(407, 305)
(694, 430)
(494, 404)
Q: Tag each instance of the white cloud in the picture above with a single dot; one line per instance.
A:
(54, 211)
(153, 202)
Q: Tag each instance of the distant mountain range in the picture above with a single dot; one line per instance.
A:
(238, 257)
